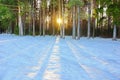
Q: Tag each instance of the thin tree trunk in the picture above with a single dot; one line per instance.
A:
(109, 26)
(24, 23)
(20, 22)
(94, 25)
(114, 32)
(94, 18)
(30, 15)
(78, 29)
(60, 31)
(59, 18)
(53, 22)
(39, 22)
(115, 27)
(33, 16)
(63, 31)
(33, 24)
(89, 19)
(43, 22)
(63, 25)
(73, 28)
(10, 28)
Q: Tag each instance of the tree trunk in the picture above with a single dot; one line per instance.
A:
(114, 32)
(53, 21)
(40, 22)
(63, 25)
(10, 28)
(24, 23)
(94, 25)
(43, 22)
(89, 19)
(78, 29)
(33, 16)
(59, 18)
(114, 28)
(109, 26)
(73, 28)
(30, 15)
(33, 24)
(20, 22)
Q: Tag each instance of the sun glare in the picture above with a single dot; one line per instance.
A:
(59, 20)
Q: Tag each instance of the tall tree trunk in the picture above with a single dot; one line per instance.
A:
(24, 23)
(94, 25)
(115, 27)
(33, 16)
(114, 32)
(89, 19)
(109, 26)
(47, 21)
(53, 21)
(73, 28)
(78, 28)
(59, 18)
(9, 30)
(43, 22)
(20, 22)
(30, 15)
(94, 6)
(33, 24)
(39, 22)
(63, 25)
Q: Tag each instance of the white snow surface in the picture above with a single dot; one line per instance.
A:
(53, 58)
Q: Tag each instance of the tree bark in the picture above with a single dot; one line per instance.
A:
(29, 20)
(53, 21)
(43, 22)
(40, 22)
(33, 24)
(33, 16)
(94, 25)
(114, 32)
(20, 22)
(63, 25)
(78, 29)
(89, 19)
(114, 28)
(73, 28)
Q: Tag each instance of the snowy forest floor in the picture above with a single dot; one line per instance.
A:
(53, 58)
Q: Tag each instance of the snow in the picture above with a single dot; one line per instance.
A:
(53, 58)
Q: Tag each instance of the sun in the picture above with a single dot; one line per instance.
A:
(59, 20)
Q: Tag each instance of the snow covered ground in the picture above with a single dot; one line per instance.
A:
(52, 58)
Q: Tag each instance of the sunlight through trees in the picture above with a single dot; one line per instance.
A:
(88, 18)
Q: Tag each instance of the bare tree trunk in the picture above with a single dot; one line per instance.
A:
(78, 29)
(109, 25)
(114, 32)
(59, 18)
(63, 25)
(30, 15)
(94, 6)
(115, 27)
(9, 30)
(89, 19)
(33, 16)
(24, 23)
(73, 29)
(94, 25)
(43, 22)
(53, 21)
(39, 22)
(20, 22)
(33, 24)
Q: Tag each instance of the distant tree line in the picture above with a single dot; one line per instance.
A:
(91, 18)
